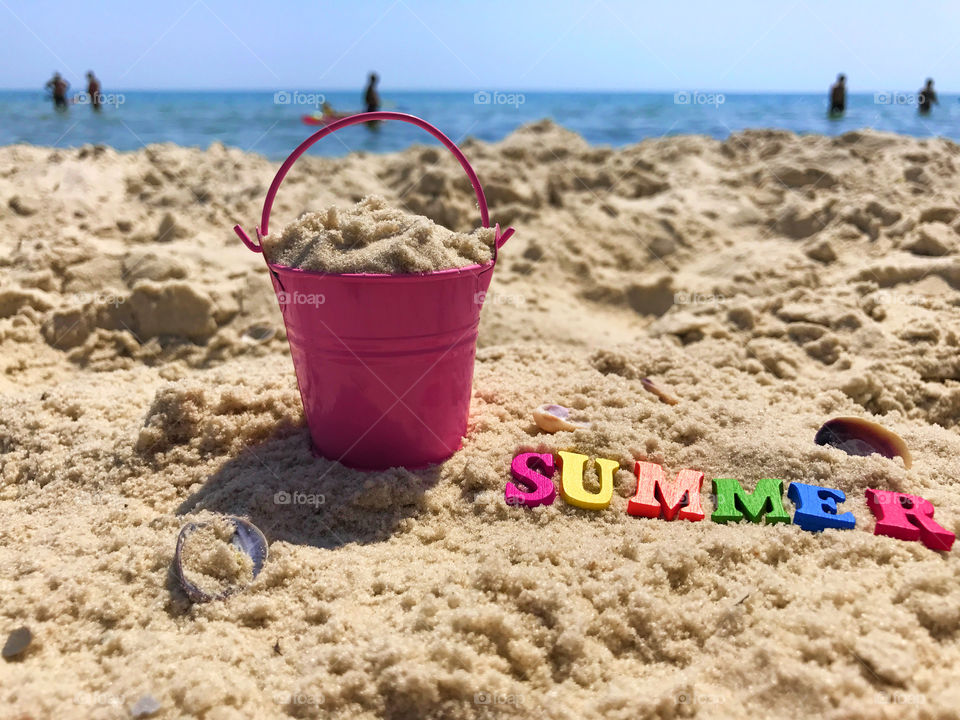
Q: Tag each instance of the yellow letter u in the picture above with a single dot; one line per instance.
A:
(571, 481)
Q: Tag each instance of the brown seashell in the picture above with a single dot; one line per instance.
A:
(856, 436)
(662, 394)
(554, 418)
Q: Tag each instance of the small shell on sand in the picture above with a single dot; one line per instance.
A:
(146, 706)
(662, 394)
(17, 643)
(256, 334)
(224, 558)
(554, 418)
(856, 436)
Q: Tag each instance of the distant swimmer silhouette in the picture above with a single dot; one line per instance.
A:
(926, 98)
(371, 98)
(93, 90)
(838, 95)
(58, 87)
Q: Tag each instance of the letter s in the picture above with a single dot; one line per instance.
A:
(524, 472)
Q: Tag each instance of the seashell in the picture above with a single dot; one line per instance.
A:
(246, 537)
(17, 643)
(146, 706)
(256, 334)
(554, 418)
(856, 436)
(662, 394)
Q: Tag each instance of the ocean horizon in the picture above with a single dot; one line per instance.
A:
(269, 122)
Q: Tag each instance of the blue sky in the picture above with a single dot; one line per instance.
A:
(494, 44)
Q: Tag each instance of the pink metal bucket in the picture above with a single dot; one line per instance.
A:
(384, 362)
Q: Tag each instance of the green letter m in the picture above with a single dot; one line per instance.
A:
(733, 503)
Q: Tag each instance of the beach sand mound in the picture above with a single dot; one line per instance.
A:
(769, 282)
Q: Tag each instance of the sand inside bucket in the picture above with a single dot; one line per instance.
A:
(212, 562)
(374, 237)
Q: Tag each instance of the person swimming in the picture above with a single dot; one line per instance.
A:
(371, 98)
(58, 86)
(926, 98)
(838, 95)
(93, 91)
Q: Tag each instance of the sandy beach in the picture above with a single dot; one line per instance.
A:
(769, 281)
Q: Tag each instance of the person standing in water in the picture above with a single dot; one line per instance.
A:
(93, 90)
(371, 98)
(838, 95)
(926, 98)
(58, 86)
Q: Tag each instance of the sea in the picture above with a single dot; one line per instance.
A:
(270, 122)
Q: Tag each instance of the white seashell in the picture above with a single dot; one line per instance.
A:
(554, 418)
(247, 538)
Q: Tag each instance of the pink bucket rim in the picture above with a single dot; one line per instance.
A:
(401, 277)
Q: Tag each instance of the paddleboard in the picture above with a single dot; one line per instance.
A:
(321, 119)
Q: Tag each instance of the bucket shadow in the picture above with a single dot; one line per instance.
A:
(296, 497)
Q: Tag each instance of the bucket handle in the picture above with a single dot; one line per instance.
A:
(499, 238)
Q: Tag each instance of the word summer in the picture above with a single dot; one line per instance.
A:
(899, 515)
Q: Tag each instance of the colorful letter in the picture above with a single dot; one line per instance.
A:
(571, 481)
(817, 507)
(651, 483)
(733, 503)
(523, 472)
(907, 517)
